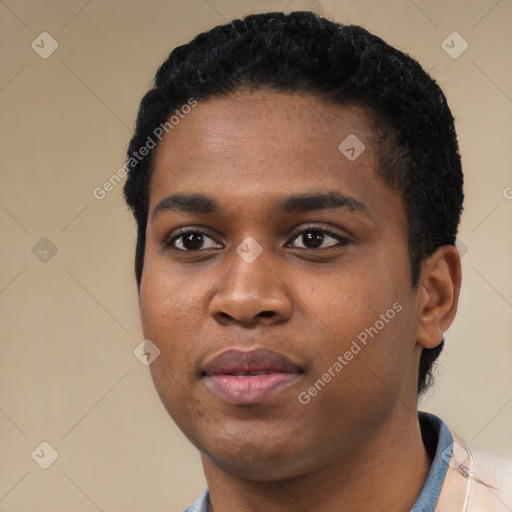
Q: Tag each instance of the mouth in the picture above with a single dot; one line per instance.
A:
(249, 377)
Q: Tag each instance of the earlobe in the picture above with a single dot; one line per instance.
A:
(438, 295)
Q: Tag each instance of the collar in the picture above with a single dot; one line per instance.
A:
(438, 440)
(433, 428)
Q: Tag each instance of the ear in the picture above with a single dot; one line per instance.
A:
(438, 295)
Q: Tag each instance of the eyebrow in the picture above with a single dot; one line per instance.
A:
(297, 203)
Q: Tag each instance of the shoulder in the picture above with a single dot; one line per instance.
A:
(493, 481)
(476, 481)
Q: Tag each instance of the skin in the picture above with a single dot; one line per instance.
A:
(357, 444)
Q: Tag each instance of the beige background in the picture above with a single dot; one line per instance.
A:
(69, 324)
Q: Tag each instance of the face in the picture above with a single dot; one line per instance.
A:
(276, 283)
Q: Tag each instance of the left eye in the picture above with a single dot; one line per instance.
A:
(314, 238)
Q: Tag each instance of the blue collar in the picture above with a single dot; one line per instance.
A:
(431, 426)
(429, 495)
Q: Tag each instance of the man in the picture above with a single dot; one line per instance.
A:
(297, 205)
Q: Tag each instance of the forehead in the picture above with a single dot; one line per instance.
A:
(266, 120)
(257, 146)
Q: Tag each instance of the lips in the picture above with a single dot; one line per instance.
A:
(248, 377)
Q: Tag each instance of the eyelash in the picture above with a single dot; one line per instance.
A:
(342, 241)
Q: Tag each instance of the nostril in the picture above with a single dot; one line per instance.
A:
(267, 313)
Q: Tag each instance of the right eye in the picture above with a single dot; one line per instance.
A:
(191, 240)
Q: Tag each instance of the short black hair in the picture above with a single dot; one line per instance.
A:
(302, 53)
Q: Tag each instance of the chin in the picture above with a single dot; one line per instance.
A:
(259, 459)
(252, 463)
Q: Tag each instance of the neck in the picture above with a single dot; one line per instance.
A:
(386, 472)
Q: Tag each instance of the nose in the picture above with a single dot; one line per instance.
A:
(251, 293)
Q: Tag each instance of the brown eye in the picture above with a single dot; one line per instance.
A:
(192, 240)
(315, 238)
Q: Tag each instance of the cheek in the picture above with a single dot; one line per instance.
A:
(366, 313)
(168, 320)
(350, 298)
(169, 313)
